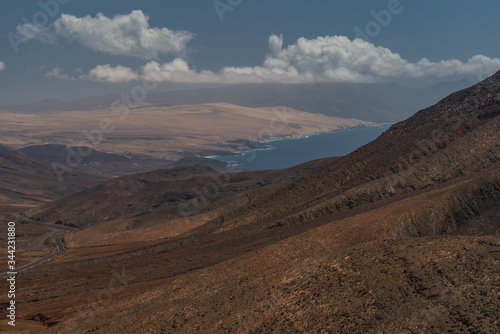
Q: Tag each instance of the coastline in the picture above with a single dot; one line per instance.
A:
(290, 137)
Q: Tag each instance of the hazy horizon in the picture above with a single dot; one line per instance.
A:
(195, 87)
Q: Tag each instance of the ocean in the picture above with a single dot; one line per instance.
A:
(286, 153)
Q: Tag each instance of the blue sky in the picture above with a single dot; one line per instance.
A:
(69, 50)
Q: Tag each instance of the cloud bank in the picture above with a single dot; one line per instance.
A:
(2, 66)
(125, 35)
(323, 59)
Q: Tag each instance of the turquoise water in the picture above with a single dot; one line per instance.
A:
(290, 152)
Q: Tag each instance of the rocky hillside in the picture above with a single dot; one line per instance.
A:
(162, 193)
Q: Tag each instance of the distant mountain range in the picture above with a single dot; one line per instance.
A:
(379, 102)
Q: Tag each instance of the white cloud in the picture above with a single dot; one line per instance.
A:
(57, 73)
(107, 73)
(324, 59)
(127, 35)
(2, 66)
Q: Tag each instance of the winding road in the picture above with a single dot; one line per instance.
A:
(60, 249)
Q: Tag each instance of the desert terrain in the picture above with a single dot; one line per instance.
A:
(171, 132)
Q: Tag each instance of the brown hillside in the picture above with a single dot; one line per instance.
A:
(160, 193)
